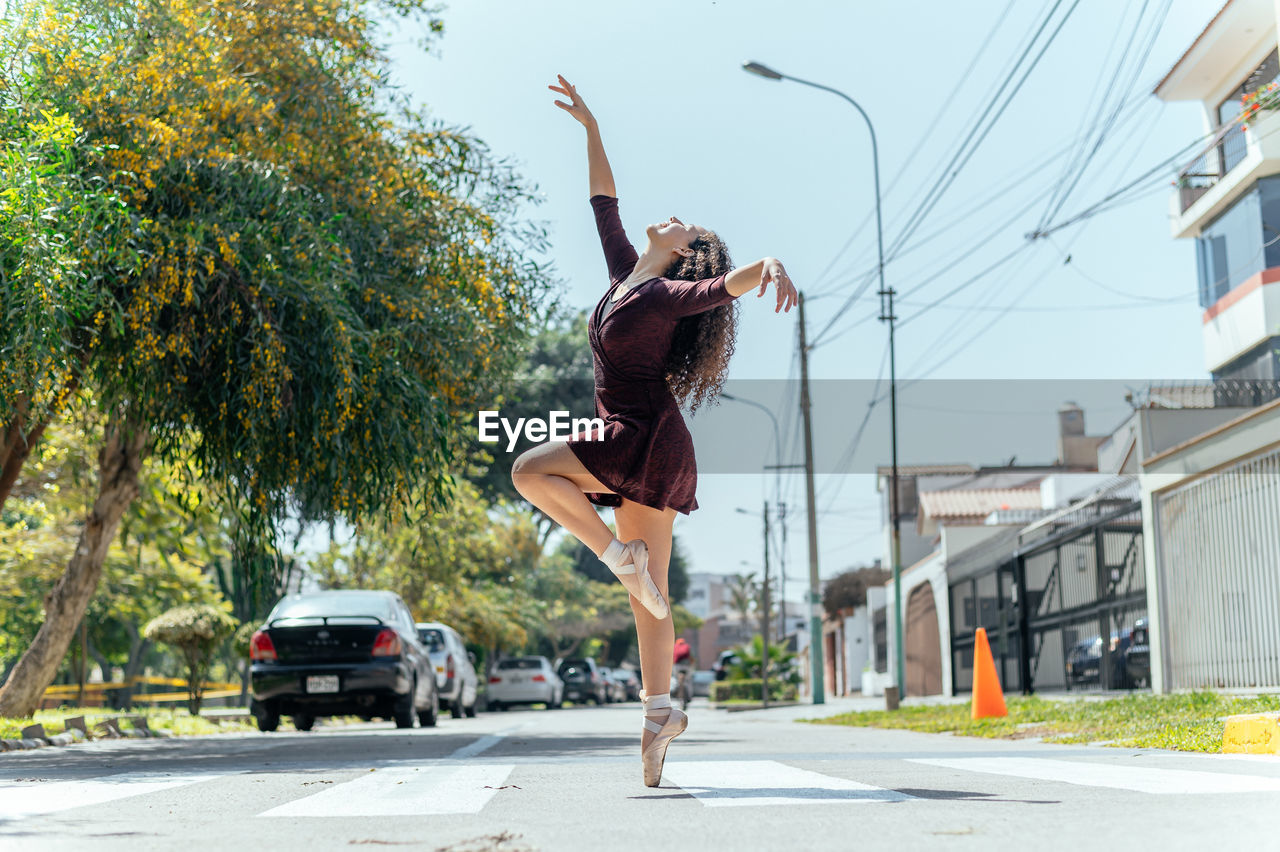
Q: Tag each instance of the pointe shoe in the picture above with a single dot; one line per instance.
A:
(655, 755)
(649, 595)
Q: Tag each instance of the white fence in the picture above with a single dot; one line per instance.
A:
(1219, 540)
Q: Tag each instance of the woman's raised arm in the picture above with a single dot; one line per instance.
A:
(761, 274)
(599, 175)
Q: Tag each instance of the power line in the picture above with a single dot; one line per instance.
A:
(961, 79)
(966, 151)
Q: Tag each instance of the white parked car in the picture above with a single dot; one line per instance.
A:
(524, 680)
(455, 668)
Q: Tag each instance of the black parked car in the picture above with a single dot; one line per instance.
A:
(1084, 661)
(338, 653)
(725, 663)
(1137, 657)
(583, 681)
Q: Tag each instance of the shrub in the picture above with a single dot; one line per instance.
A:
(749, 690)
(195, 631)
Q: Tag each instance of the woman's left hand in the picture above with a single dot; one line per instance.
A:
(774, 272)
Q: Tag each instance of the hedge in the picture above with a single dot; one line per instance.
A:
(750, 689)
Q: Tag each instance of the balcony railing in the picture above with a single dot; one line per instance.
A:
(1224, 150)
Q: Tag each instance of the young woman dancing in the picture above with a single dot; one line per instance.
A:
(661, 337)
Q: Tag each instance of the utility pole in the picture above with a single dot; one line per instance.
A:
(764, 615)
(782, 575)
(816, 670)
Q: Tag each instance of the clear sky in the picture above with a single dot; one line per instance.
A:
(781, 169)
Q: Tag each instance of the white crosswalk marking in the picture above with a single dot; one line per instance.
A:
(404, 791)
(31, 798)
(1139, 779)
(739, 783)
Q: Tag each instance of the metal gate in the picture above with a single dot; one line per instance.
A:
(1062, 606)
(1219, 546)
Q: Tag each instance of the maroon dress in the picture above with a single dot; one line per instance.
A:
(647, 453)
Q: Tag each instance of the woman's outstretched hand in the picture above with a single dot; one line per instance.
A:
(787, 294)
(576, 107)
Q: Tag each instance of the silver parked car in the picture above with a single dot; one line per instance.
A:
(524, 680)
(455, 668)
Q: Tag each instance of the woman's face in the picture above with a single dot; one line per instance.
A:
(673, 236)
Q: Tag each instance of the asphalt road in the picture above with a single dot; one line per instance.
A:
(571, 780)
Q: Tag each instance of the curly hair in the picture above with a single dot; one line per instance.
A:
(703, 344)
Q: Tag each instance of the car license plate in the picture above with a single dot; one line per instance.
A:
(322, 683)
(517, 679)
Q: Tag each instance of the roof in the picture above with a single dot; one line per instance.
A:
(977, 502)
(924, 469)
(1191, 47)
(994, 478)
(1240, 29)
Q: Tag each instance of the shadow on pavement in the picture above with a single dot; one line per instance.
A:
(968, 796)
(797, 793)
(563, 745)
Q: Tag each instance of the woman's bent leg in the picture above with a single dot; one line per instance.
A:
(550, 477)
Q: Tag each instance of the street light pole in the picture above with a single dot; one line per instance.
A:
(764, 616)
(886, 315)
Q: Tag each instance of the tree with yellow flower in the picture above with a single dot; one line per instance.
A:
(300, 278)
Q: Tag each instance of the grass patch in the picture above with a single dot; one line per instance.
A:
(1183, 722)
(171, 721)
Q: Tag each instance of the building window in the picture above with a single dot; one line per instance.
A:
(1241, 242)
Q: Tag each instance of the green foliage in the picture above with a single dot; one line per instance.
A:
(195, 631)
(466, 563)
(313, 284)
(751, 689)
(1184, 721)
(555, 374)
(782, 663)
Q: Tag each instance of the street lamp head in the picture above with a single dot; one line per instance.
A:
(761, 70)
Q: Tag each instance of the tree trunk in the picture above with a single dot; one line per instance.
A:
(16, 446)
(119, 462)
(138, 647)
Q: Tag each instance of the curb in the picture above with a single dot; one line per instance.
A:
(740, 708)
(1255, 733)
(34, 736)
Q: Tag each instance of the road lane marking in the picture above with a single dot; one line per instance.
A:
(403, 791)
(485, 743)
(746, 783)
(33, 798)
(1116, 776)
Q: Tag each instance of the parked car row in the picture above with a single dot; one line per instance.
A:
(355, 652)
(1128, 657)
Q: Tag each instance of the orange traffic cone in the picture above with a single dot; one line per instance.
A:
(988, 698)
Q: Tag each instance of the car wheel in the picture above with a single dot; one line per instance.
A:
(403, 710)
(268, 719)
(304, 723)
(428, 718)
(498, 705)
(470, 709)
(455, 708)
